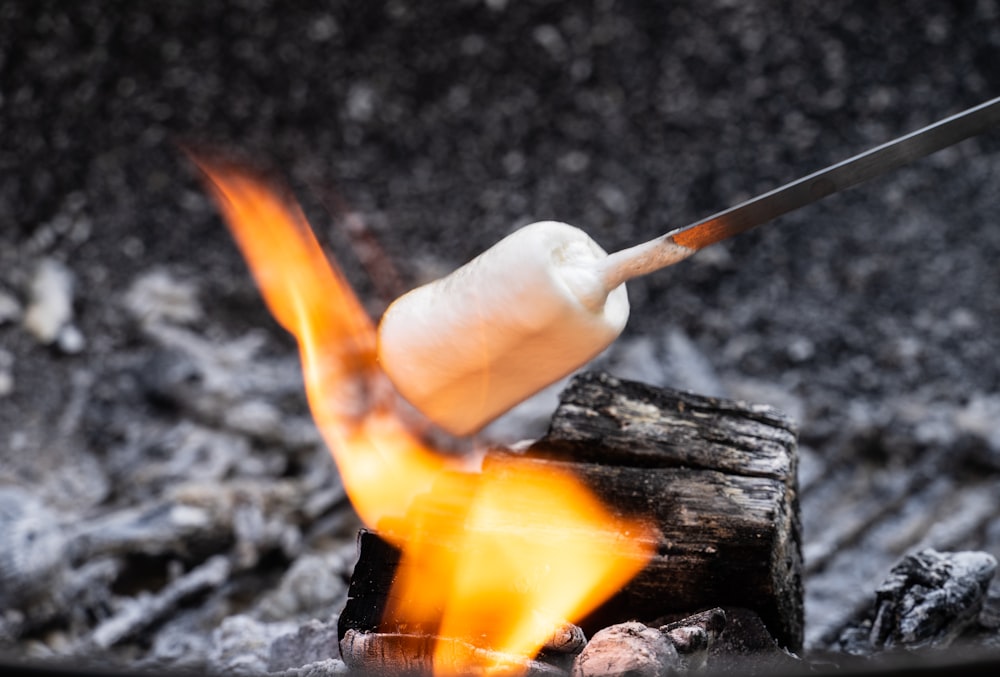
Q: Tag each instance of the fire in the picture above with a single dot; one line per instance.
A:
(497, 557)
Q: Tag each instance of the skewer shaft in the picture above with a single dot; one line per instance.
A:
(683, 242)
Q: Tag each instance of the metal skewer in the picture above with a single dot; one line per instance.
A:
(682, 242)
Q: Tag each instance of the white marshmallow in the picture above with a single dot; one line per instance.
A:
(526, 312)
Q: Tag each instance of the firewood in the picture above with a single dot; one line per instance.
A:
(715, 477)
(364, 614)
(718, 479)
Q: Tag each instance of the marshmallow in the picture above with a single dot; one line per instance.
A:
(526, 312)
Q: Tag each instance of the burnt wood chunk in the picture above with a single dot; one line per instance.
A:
(627, 649)
(928, 600)
(718, 478)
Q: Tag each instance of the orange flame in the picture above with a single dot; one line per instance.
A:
(497, 557)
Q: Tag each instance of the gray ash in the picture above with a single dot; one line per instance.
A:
(162, 423)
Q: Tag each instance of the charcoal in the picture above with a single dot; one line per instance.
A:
(745, 646)
(930, 598)
(694, 636)
(978, 435)
(371, 583)
(160, 527)
(181, 644)
(227, 386)
(565, 639)
(627, 649)
(987, 634)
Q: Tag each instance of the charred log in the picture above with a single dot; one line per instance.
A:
(717, 476)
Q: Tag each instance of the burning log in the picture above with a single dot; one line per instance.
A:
(373, 640)
(717, 478)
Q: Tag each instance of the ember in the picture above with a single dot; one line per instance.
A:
(474, 562)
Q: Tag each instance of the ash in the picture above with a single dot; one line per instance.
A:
(165, 500)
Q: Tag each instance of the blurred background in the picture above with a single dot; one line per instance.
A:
(418, 134)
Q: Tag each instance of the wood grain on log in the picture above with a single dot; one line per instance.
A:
(717, 476)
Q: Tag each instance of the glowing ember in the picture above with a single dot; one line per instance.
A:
(497, 557)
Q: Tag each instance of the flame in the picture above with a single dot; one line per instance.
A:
(498, 557)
